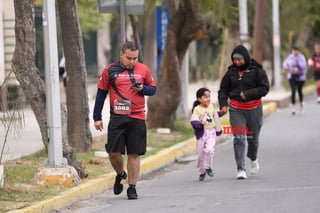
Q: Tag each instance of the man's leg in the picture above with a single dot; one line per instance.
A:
(133, 168)
(116, 161)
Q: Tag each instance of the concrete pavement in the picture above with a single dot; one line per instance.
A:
(148, 165)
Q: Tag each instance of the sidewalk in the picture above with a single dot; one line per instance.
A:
(148, 165)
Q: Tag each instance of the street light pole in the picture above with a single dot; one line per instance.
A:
(243, 23)
(276, 44)
(122, 21)
(55, 158)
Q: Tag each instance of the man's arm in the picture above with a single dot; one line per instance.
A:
(98, 106)
(148, 90)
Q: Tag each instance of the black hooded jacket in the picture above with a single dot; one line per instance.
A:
(254, 82)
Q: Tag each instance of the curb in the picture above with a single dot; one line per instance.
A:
(148, 165)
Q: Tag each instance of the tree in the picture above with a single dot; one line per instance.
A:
(79, 134)
(259, 24)
(28, 75)
(186, 24)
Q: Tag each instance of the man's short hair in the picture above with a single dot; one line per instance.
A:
(129, 46)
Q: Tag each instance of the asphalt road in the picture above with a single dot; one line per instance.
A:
(287, 182)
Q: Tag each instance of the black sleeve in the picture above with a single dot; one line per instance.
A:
(262, 87)
(148, 90)
(98, 106)
(223, 93)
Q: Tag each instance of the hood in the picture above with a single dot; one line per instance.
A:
(240, 49)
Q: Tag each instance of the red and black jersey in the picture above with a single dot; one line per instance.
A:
(118, 80)
(316, 62)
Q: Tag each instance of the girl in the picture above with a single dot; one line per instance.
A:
(206, 124)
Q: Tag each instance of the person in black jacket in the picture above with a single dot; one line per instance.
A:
(241, 90)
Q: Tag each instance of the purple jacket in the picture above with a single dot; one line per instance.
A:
(296, 66)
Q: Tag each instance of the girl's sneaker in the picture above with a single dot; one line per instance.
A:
(209, 172)
(202, 176)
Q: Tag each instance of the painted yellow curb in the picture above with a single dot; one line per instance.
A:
(82, 191)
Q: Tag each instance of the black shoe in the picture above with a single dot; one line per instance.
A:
(132, 193)
(209, 172)
(202, 176)
(118, 185)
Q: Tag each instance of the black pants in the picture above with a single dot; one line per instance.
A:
(294, 84)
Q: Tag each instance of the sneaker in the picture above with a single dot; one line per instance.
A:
(132, 192)
(202, 176)
(118, 184)
(318, 100)
(209, 172)
(293, 110)
(254, 167)
(241, 174)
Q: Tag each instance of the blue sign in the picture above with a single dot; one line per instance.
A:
(162, 22)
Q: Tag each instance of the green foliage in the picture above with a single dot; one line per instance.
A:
(211, 11)
(90, 17)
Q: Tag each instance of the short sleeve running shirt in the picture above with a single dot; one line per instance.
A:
(118, 81)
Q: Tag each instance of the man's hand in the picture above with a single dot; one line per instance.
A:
(137, 88)
(98, 125)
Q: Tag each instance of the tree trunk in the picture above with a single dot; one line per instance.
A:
(230, 39)
(23, 63)
(185, 25)
(304, 36)
(79, 134)
(150, 52)
(136, 37)
(258, 34)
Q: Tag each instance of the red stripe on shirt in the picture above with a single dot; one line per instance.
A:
(246, 105)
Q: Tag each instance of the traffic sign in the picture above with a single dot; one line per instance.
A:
(113, 6)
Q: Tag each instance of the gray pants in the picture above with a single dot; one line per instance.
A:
(246, 125)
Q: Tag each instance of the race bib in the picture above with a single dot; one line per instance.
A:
(317, 65)
(122, 107)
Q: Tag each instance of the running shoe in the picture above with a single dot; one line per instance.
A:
(132, 192)
(202, 176)
(118, 184)
(209, 172)
(255, 167)
(241, 174)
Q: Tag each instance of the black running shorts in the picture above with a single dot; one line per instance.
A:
(316, 75)
(126, 134)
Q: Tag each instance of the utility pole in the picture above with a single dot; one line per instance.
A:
(123, 22)
(55, 157)
(56, 171)
(276, 45)
(243, 23)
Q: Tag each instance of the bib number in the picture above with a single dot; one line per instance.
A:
(122, 107)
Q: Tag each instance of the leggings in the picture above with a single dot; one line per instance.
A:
(296, 84)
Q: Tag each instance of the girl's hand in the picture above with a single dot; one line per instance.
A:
(224, 110)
